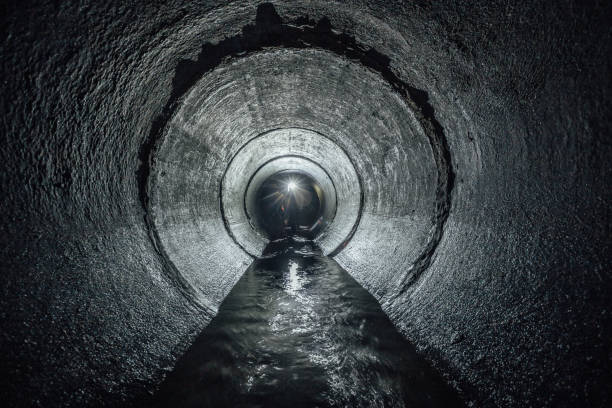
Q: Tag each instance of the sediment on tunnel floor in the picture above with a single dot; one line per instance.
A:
(478, 130)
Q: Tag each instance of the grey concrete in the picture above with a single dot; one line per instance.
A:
(479, 131)
(312, 153)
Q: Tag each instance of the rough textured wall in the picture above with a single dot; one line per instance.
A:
(479, 131)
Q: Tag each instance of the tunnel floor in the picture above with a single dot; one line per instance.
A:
(297, 330)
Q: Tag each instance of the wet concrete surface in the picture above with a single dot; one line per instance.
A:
(101, 294)
(297, 330)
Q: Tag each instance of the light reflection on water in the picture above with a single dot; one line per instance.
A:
(293, 283)
(298, 331)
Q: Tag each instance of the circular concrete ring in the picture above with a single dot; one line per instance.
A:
(284, 149)
(295, 163)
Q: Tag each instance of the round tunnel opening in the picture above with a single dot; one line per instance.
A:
(290, 203)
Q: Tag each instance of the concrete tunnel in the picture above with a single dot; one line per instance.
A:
(463, 149)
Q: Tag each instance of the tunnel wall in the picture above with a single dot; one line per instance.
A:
(267, 154)
(511, 303)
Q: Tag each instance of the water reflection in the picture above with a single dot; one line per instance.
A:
(298, 331)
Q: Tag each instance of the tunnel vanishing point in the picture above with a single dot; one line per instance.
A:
(455, 158)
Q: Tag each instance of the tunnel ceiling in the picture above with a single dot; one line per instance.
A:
(464, 145)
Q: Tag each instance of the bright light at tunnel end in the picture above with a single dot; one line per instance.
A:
(291, 186)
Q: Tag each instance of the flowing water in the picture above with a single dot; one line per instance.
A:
(298, 331)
